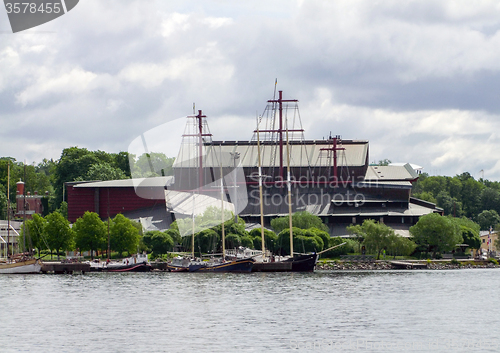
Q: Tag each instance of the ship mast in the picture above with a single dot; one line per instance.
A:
(260, 196)
(280, 102)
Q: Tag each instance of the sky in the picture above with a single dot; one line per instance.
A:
(419, 79)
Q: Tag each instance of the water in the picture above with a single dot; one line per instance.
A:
(371, 311)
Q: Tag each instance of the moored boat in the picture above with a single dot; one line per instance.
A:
(135, 263)
(183, 264)
(21, 265)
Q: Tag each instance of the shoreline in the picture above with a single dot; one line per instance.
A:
(387, 265)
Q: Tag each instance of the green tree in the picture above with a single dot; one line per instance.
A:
(341, 250)
(384, 162)
(436, 232)
(469, 231)
(397, 245)
(36, 231)
(76, 164)
(104, 171)
(471, 193)
(91, 233)
(302, 220)
(303, 241)
(270, 239)
(58, 233)
(152, 165)
(124, 235)
(3, 203)
(450, 205)
(487, 219)
(375, 235)
(158, 242)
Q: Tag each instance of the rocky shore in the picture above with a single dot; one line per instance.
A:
(386, 265)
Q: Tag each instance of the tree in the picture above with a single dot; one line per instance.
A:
(469, 231)
(487, 219)
(270, 239)
(302, 220)
(91, 233)
(124, 236)
(303, 241)
(58, 233)
(3, 203)
(104, 171)
(450, 205)
(158, 242)
(490, 199)
(375, 235)
(341, 250)
(397, 245)
(152, 165)
(36, 231)
(471, 192)
(384, 162)
(76, 163)
(436, 232)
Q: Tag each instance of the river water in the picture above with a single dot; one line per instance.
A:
(325, 311)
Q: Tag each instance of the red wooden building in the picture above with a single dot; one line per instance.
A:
(109, 198)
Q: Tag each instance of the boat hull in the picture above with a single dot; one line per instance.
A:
(242, 266)
(143, 267)
(302, 263)
(28, 266)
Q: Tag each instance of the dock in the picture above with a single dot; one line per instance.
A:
(404, 265)
(62, 268)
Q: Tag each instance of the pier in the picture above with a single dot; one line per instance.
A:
(404, 265)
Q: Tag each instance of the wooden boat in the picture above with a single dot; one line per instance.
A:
(21, 265)
(21, 262)
(296, 262)
(135, 263)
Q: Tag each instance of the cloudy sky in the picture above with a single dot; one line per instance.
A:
(419, 79)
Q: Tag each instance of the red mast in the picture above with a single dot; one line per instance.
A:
(334, 149)
(199, 135)
(280, 130)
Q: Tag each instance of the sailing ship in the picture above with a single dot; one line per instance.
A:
(296, 262)
(20, 263)
(191, 192)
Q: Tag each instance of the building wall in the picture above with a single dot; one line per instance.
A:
(104, 201)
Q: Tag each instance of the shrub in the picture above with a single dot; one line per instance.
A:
(493, 261)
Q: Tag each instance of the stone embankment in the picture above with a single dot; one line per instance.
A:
(386, 265)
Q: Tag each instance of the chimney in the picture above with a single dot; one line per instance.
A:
(20, 188)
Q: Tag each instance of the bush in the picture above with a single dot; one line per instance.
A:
(493, 261)
(341, 250)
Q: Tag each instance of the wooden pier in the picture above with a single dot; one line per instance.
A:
(404, 265)
(62, 268)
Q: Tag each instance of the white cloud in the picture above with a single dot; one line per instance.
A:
(73, 82)
(418, 79)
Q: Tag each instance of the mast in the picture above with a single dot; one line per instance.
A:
(192, 232)
(289, 186)
(24, 208)
(200, 147)
(260, 196)
(222, 208)
(8, 208)
(280, 102)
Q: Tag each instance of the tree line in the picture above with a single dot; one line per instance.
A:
(53, 233)
(75, 164)
(462, 196)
